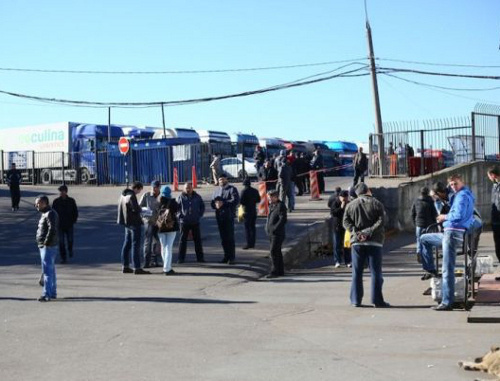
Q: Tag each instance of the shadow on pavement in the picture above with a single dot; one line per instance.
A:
(133, 299)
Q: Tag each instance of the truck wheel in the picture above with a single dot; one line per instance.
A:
(46, 176)
(84, 176)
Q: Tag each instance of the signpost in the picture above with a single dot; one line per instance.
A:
(124, 147)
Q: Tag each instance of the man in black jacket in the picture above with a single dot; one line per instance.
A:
(423, 214)
(275, 229)
(364, 219)
(249, 199)
(13, 178)
(494, 176)
(360, 166)
(225, 201)
(129, 215)
(318, 164)
(67, 211)
(191, 210)
(269, 174)
(46, 238)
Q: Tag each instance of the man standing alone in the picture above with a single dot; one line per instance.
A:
(494, 176)
(249, 199)
(275, 229)
(364, 219)
(224, 201)
(67, 211)
(191, 210)
(360, 166)
(129, 215)
(46, 238)
(14, 178)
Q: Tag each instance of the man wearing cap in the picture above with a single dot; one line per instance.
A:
(275, 229)
(67, 211)
(149, 206)
(364, 219)
(225, 201)
(129, 215)
(249, 199)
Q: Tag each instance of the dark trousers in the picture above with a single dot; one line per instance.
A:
(277, 266)
(307, 183)
(496, 238)
(250, 231)
(150, 238)
(65, 236)
(339, 251)
(360, 255)
(321, 182)
(299, 182)
(195, 229)
(358, 175)
(270, 185)
(132, 245)
(226, 231)
(15, 195)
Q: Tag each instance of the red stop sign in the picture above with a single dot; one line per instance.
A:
(123, 145)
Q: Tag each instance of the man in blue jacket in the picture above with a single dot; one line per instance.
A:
(225, 201)
(191, 210)
(455, 223)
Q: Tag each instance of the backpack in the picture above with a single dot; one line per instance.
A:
(165, 221)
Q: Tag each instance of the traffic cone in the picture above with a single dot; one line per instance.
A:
(314, 186)
(193, 175)
(176, 180)
(263, 209)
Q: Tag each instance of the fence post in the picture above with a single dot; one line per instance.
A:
(62, 168)
(422, 156)
(33, 179)
(498, 135)
(473, 132)
(1, 167)
(96, 167)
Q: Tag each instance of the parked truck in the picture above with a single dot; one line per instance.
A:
(57, 152)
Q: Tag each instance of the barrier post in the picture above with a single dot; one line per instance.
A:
(314, 187)
(176, 180)
(193, 176)
(264, 202)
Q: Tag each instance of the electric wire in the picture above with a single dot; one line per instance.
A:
(438, 64)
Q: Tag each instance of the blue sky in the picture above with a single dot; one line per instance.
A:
(222, 34)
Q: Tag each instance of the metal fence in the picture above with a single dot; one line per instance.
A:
(421, 147)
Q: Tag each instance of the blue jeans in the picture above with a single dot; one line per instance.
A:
(429, 241)
(451, 240)
(167, 244)
(361, 254)
(48, 256)
(132, 242)
(418, 232)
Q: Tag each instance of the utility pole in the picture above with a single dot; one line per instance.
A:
(109, 124)
(163, 121)
(376, 101)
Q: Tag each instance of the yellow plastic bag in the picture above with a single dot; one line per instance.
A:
(347, 239)
(241, 213)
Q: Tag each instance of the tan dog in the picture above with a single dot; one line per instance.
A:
(489, 363)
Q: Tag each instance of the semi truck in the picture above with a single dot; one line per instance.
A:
(57, 152)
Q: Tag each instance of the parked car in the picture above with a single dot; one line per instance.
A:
(233, 167)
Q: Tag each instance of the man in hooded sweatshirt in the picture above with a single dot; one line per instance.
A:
(129, 215)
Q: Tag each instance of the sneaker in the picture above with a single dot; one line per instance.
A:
(44, 299)
(349, 265)
(171, 272)
(127, 270)
(442, 307)
(337, 265)
(141, 272)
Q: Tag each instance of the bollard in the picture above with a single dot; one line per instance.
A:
(176, 180)
(314, 186)
(193, 176)
(264, 202)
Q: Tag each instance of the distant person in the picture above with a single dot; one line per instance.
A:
(390, 150)
(46, 238)
(494, 176)
(360, 166)
(340, 253)
(225, 201)
(216, 168)
(168, 226)
(259, 156)
(249, 198)
(129, 215)
(191, 210)
(275, 229)
(423, 214)
(67, 211)
(269, 175)
(334, 221)
(150, 205)
(13, 178)
(317, 164)
(364, 219)
(305, 170)
(299, 167)
(279, 160)
(285, 184)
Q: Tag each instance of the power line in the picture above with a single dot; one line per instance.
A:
(439, 64)
(65, 71)
(440, 87)
(384, 70)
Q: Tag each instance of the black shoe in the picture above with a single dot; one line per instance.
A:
(44, 299)
(231, 262)
(442, 307)
(355, 305)
(127, 270)
(171, 272)
(141, 272)
(383, 305)
(428, 275)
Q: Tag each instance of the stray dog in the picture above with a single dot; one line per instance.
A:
(489, 363)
